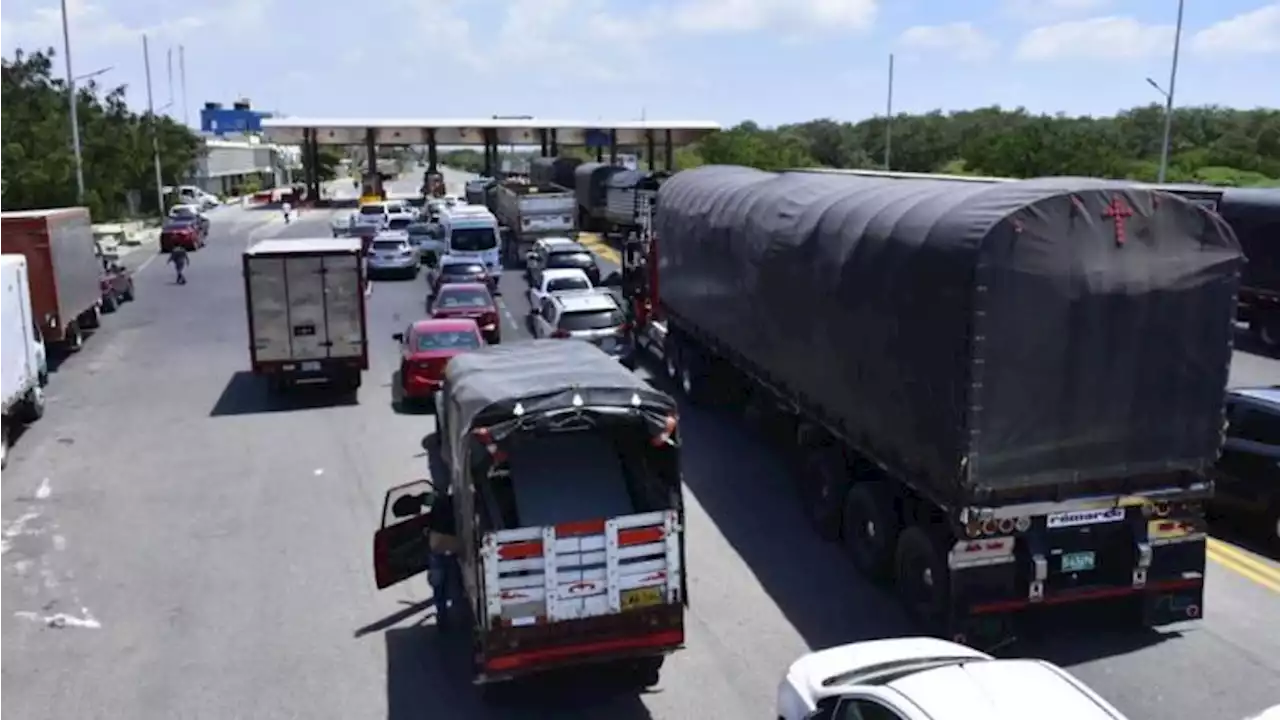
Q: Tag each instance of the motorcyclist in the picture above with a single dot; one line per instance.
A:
(288, 210)
(179, 259)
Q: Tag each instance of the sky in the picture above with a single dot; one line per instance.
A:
(771, 61)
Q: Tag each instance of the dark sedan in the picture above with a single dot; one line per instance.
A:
(1247, 478)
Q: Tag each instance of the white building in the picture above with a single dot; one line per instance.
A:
(231, 164)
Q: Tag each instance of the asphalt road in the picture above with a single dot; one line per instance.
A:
(176, 546)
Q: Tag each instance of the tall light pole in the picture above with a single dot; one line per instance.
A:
(888, 118)
(1168, 97)
(71, 101)
(155, 127)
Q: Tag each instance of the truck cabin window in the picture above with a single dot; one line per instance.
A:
(448, 340)
(473, 239)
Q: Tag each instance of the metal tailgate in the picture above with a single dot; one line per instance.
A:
(268, 309)
(305, 290)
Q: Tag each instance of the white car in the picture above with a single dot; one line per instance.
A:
(539, 251)
(372, 214)
(930, 679)
(557, 280)
(398, 209)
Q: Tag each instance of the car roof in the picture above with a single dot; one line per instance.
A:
(569, 247)
(444, 325)
(390, 235)
(1002, 690)
(585, 300)
(1267, 396)
(468, 286)
(550, 273)
(556, 240)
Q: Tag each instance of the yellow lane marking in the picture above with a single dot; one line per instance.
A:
(599, 246)
(1244, 564)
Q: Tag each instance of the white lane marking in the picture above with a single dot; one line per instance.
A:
(45, 490)
(18, 527)
(507, 314)
(147, 262)
(62, 620)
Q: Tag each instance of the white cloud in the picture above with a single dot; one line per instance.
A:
(91, 25)
(1051, 10)
(960, 39)
(1254, 33)
(1107, 38)
(734, 16)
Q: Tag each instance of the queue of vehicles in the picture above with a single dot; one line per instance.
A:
(57, 283)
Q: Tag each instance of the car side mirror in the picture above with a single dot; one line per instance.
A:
(398, 337)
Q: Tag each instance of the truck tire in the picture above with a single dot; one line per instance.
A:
(109, 303)
(127, 295)
(821, 485)
(645, 672)
(867, 530)
(91, 319)
(921, 577)
(32, 407)
(1267, 331)
(73, 339)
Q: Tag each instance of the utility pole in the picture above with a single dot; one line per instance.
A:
(888, 119)
(72, 102)
(155, 127)
(169, 61)
(182, 76)
(1168, 100)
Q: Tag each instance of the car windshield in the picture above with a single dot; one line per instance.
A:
(448, 340)
(372, 210)
(568, 283)
(591, 320)
(399, 223)
(462, 269)
(569, 260)
(473, 239)
(388, 244)
(178, 223)
(463, 298)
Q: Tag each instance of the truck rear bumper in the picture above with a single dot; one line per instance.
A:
(307, 370)
(516, 652)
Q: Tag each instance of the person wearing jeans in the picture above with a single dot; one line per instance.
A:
(443, 571)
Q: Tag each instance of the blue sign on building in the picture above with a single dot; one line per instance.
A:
(595, 138)
(224, 121)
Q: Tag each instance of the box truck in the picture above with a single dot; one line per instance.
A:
(22, 356)
(63, 269)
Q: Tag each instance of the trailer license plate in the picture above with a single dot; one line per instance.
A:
(641, 597)
(311, 366)
(1078, 561)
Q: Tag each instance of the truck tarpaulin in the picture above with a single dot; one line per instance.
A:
(1254, 215)
(980, 338)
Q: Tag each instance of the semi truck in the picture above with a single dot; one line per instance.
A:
(531, 211)
(305, 301)
(63, 269)
(1002, 396)
(23, 365)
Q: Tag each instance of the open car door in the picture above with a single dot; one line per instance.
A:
(400, 547)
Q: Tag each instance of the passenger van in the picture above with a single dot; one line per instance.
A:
(471, 232)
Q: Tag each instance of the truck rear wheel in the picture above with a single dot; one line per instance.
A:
(73, 339)
(867, 530)
(645, 672)
(92, 318)
(32, 406)
(822, 478)
(920, 571)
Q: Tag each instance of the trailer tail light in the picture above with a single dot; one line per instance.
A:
(561, 334)
(486, 438)
(668, 431)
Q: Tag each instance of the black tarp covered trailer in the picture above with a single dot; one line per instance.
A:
(589, 185)
(1254, 215)
(979, 340)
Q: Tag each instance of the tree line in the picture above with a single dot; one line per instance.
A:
(1208, 145)
(116, 143)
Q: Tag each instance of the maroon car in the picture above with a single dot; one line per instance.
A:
(116, 282)
(472, 301)
(184, 232)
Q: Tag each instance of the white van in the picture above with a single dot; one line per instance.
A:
(471, 232)
(192, 195)
(24, 367)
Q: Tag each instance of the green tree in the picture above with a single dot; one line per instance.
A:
(327, 161)
(116, 143)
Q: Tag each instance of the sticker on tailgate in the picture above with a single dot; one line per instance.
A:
(1076, 518)
(304, 330)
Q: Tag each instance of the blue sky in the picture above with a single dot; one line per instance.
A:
(772, 61)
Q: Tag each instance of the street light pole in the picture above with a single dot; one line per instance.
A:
(155, 128)
(888, 117)
(72, 103)
(1168, 99)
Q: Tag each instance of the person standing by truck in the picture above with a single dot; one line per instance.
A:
(442, 538)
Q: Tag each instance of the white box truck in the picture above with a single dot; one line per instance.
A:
(305, 302)
(22, 354)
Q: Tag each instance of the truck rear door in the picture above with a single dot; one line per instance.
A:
(344, 308)
(582, 569)
(306, 307)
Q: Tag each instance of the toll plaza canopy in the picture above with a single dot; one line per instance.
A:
(445, 131)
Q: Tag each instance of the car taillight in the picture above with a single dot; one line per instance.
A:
(560, 334)
(489, 318)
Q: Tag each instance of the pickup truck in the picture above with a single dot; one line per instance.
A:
(532, 211)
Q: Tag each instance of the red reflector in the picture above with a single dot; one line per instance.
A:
(560, 334)
(521, 550)
(666, 638)
(581, 527)
(640, 536)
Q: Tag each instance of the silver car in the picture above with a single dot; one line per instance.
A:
(392, 254)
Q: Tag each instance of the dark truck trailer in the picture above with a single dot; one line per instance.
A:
(628, 196)
(590, 183)
(63, 268)
(1254, 215)
(1016, 386)
(553, 171)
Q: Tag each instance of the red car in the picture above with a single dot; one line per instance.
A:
(180, 231)
(468, 300)
(116, 282)
(426, 347)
